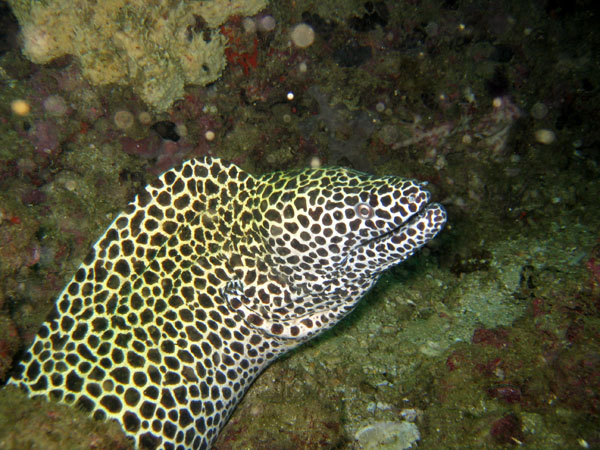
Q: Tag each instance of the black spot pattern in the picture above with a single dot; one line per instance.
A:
(205, 279)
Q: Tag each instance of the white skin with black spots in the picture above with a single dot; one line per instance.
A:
(206, 278)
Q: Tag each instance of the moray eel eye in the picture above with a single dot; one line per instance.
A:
(363, 211)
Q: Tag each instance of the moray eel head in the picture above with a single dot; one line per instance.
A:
(327, 235)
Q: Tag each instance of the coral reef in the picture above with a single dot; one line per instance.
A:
(490, 336)
(155, 47)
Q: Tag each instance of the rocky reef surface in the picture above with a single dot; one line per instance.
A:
(155, 47)
(488, 338)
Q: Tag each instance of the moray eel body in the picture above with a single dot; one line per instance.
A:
(207, 277)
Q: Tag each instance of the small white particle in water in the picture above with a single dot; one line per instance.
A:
(497, 102)
(267, 23)
(55, 105)
(303, 35)
(290, 96)
(302, 67)
(123, 119)
(380, 107)
(544, 136)
(315, 162)
(20, 107)
(432, 29)
(539, 110)
(209, 135)
(145, 118)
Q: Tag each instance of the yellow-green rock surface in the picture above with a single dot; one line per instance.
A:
(155, 46)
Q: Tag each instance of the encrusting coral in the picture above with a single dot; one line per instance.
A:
(156, 47)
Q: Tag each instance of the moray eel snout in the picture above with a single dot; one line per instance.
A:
(411, 230)
(335, 221)
(208, 276)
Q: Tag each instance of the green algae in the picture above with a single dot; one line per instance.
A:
(38, 424)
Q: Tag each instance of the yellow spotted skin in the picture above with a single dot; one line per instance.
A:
(205, 279)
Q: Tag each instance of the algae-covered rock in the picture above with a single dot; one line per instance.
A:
(9, 342)
(156, 47)
(388, 436)
(38, 424)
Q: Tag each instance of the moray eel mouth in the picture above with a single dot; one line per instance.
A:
(426, 222)
(414, 222)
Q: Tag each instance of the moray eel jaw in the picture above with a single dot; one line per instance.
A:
(396, 245)
(205, 278)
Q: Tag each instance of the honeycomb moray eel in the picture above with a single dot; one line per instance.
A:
(207, 277)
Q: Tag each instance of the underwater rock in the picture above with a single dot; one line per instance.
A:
(388, 435)
(151, 46)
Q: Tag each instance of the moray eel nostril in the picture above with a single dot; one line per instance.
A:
(207, 277)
